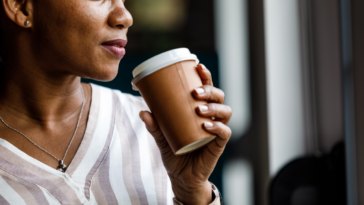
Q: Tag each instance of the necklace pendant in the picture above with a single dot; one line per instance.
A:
(61, 167)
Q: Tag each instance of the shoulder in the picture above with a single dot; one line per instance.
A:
(128, 101)
(122, 107)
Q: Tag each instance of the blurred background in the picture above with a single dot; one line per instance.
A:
(292, 71)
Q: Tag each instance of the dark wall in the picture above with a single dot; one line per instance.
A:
(358, 65)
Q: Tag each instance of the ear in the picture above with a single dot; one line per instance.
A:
(19, 11)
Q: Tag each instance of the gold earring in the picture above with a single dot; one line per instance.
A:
(26, 23)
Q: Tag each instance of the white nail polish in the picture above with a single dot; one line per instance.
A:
(203, 108)
(140, 115)
(200, 91)
(208, 124)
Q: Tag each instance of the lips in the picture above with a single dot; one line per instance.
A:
(115, 47)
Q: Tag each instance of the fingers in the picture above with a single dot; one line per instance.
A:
(223, 133)
(205, 75)
(153, 128)
(209, 93)
(220, 112)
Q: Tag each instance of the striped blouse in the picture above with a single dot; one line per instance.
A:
(117, 162)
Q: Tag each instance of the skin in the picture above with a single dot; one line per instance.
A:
(41, 92)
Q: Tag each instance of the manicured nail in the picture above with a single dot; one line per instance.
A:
(200, 91)
(203, 66)
(203, 108)
(208, 124)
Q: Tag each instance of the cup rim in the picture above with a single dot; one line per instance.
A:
(161, 61)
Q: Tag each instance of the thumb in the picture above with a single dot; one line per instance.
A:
(153, 128)
(149, 122)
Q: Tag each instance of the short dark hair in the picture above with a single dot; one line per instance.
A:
(1, 37)
(1, 49)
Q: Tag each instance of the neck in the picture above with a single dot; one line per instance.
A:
(37, 97)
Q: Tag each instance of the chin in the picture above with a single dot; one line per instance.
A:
(105, 74)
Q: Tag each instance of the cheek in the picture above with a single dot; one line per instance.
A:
(72, 34)
(76, 27)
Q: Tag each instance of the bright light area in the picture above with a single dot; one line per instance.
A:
(238, 183)
(284, 83)
(232, 49)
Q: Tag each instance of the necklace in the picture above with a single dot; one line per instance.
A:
(61, 167)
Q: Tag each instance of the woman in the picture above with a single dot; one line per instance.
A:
(63, 142)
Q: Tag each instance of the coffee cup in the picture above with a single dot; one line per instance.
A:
(166, 82)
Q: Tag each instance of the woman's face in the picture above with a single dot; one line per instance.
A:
(80, 37)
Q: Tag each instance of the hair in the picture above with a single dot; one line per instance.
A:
(1, 50)
(1, 38)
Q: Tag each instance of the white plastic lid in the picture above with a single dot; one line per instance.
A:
(160, 61)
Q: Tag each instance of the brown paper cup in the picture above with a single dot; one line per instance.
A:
(168, 94)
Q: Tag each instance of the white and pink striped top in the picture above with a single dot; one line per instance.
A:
(117, 162)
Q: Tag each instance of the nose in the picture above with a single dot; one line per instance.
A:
(120, 17)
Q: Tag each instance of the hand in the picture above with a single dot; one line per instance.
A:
(189, 173)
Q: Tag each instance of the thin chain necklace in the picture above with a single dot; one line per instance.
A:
(61, 167)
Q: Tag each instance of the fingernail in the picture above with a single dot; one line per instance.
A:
(208, 124)
(203, 66)
(200, 91)
(203, 108)
(140, 115)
